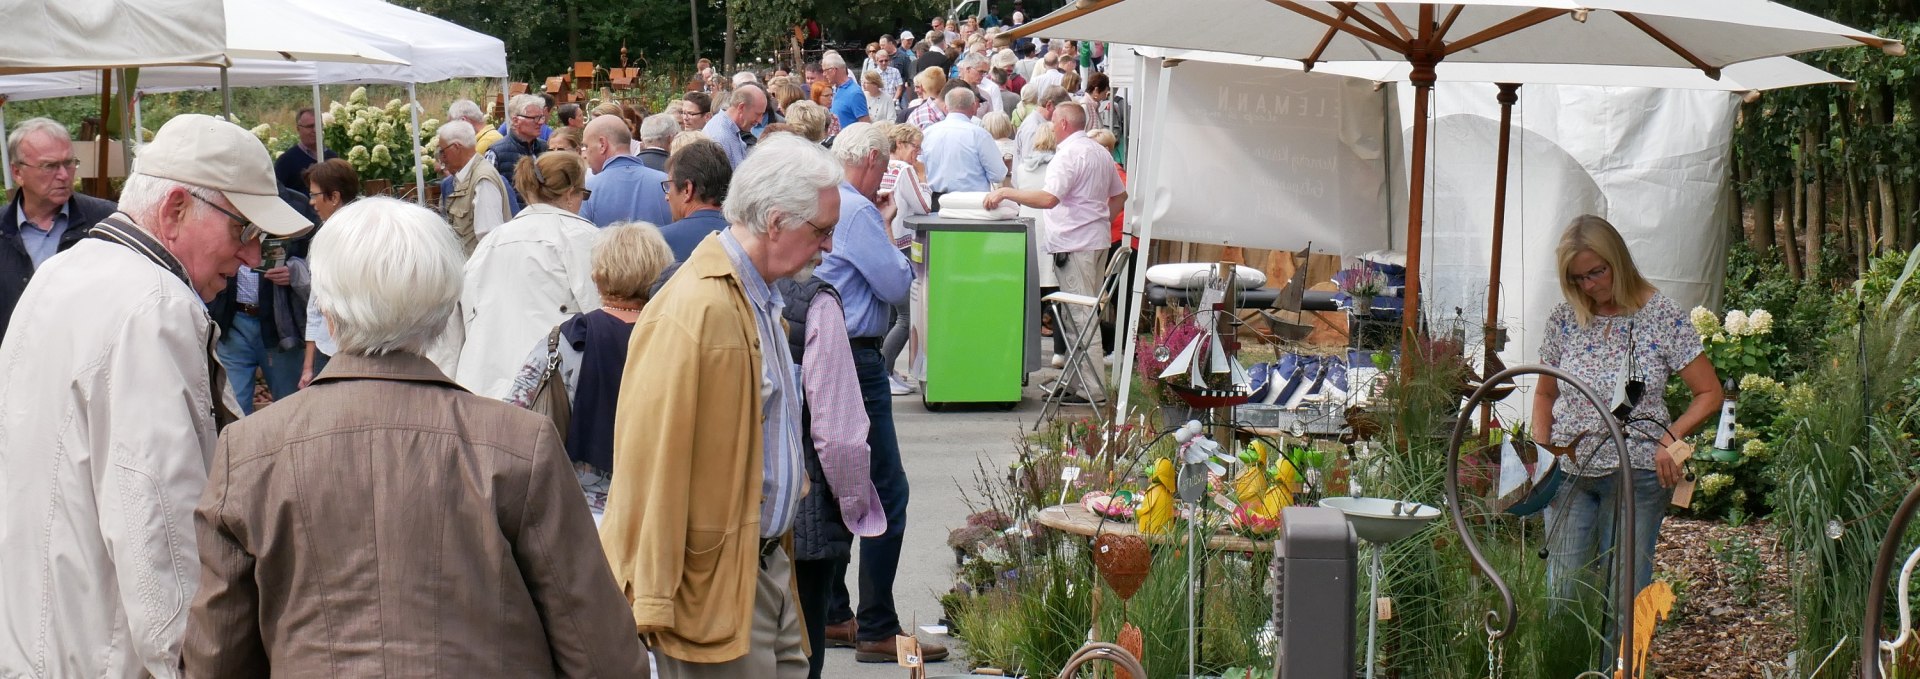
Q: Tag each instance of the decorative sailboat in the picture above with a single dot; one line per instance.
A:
(1205, 373)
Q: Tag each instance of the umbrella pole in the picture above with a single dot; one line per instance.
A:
(319, 130)
(1509, 93)
(1422, 79)
(6, 162)
(100, 142)
(419, 172)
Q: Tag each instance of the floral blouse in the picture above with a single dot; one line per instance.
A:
(1663, 340)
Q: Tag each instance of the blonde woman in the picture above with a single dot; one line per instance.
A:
(1001, 127)
(528, 275)
(905, 181)
(1612, 318)
(880, 107)
(808, 120)
(592, 349)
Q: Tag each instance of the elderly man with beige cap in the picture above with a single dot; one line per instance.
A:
(110, 401)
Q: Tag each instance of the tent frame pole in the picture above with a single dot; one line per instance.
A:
(226, 96)
(419, 170)
(6, 161)
(319, 130)
(100, 184)
(1144, 205)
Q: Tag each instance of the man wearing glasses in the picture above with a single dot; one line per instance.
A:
(526, 115)
(293, 163)
(695, 111)
(46, 215)
(111, 400)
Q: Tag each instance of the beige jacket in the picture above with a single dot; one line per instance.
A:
(106, 424)
(384, 522)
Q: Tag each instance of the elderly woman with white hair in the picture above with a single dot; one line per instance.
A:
(452, 535)
(589, 351)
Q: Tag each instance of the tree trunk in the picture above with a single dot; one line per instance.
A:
(1903, 215)
(1796, 214)
(1737, 206)
(726, 58)
(1763, 220)
(573, 37)
(693, 7)
(1855, 224)
(1816, 201)
(1889, 213)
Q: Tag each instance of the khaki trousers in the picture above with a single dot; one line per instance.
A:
(776, 651)
(1083, 274)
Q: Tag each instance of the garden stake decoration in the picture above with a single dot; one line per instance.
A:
(1500, 622)
(1871, 645)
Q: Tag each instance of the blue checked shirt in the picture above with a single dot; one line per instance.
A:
(781, 466)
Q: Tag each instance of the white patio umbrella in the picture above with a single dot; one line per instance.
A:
(1705, 35)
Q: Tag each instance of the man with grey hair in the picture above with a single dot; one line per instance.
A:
(483, 134)
(1050, 74)
(476, 203)
(1040, 118)
(46, 215)
(656, 136)
(849, 101)
(708, 469)
(872, 278)
(744, 110)
(621, 189)
(1082, 193)
(973, 71)
(959, 154)
(527, 114)
(110, 399)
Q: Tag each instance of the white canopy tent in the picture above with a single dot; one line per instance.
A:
(64, 35)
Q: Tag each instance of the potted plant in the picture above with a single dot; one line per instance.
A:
(1362, 284)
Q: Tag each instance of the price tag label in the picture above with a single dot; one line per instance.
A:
(908, 649)
(1069, 474)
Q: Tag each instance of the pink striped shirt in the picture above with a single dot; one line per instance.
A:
(1083, 176)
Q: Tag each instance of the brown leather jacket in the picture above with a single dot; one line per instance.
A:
(385, 522)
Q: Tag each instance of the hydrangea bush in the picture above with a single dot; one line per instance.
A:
(375, 139)
(1740, 345)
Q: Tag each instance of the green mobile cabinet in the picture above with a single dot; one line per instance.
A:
(981, 308)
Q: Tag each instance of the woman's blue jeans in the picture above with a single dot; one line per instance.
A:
(1581, 524)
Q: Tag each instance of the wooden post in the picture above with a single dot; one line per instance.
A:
(1509, 94)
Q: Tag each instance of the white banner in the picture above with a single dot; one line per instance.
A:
(1271, 158)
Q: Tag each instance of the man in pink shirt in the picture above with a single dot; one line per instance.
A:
(1082, 192)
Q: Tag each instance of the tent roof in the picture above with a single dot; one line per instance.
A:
(258, 29)
(62, 35)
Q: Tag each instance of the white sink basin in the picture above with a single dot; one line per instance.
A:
(1381, 521)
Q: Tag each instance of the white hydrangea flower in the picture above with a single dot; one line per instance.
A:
(1755, 449)
(1758, 383)
(1760, 322)
(1705, 322)
(1736, 323)
(1712, 484)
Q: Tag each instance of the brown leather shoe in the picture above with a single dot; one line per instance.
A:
(841, 635)
(883, 651)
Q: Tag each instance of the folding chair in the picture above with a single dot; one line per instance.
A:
(1089, 334)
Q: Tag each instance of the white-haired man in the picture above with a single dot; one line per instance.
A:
(477, 202)
(46, 215)
(110, 399)
(527, 115)
(454, 542)
(621, 189)
(483, 134)
(744, 110)
(708, 468)
(656, 139)
(1040, 118)
(849, 101)
(1082, 193)
(872, 278)
(959, 153)
(973, 71)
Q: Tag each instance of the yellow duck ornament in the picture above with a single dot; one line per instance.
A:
(1260, 495)
(1156, 504)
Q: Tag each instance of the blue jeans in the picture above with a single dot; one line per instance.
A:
(242, 349)
(1582, 529)
(879, 556)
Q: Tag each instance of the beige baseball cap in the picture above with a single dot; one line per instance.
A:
(215, 154)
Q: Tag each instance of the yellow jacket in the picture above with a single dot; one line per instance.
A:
(483, 140)
(682, 526)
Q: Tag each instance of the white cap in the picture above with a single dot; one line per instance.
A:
(1019, 18)
(211, 153)
(906, 35)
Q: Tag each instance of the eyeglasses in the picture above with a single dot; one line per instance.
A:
(1590, 276)
(52, 166)
(825, 234)
(248, 232)
(528, 117)
(666, 186)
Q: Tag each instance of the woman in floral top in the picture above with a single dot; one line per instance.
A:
(1612, 311)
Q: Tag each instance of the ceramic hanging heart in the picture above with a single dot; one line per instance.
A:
(1122, 561)
(1131, 640)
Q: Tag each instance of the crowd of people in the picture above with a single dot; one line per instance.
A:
(622, 398)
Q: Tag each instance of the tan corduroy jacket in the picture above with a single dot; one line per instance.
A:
(682, 524)
(385, 522)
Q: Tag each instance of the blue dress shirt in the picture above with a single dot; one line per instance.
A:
(41, 244)
(727, 135)
(626, 190)
(685, 235)
(782, 469)
(864, 266)
(961, 156)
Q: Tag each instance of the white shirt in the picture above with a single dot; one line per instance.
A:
(1046, 78)
(106, 431)
(990, 90)
(528, 276)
